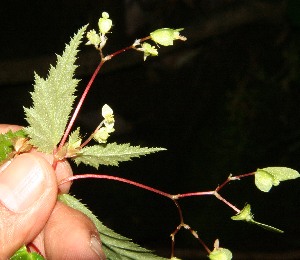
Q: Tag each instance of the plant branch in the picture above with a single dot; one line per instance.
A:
(174, 198)
(108, 57)
(79, 105)
(109, 177)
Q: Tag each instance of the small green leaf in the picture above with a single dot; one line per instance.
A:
(23, 254)
(246, 215)
(74, 139)
(53, 99)
(111, 154)
(6, 143)
(271, 176)
(115, 246)
(264, 181)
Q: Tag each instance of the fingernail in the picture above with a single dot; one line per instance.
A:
(96, 246)
(22, 183)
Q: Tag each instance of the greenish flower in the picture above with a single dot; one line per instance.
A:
(220, 254)
(109, 119)
(101, 135)
(166, 36)
(104, 23)
(148, 50)
(93, 38)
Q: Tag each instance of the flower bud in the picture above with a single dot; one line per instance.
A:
(149, 50)
(104, 23)
(101, 135)
(220, 254)
(166, 36)
(93, 37)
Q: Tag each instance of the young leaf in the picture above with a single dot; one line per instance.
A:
(281, 173)
(115, 246)
(111, 154)
(246, 215)
(53, 99)
(267, 177)
(6, 143)
(263, 181)
(23, 254)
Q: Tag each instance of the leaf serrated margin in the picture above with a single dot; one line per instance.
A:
(111, 154)
(114, 245)
(53, 99)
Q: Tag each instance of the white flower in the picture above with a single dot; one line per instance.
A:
(109, 119)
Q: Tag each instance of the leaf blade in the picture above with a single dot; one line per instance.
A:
(268, 177)
(111, 154)
(53, 99)
(115, 246)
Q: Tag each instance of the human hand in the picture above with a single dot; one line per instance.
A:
(31, 215)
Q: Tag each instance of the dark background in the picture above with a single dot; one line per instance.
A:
(226, 101)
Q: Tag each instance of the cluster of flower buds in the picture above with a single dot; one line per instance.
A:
(164, 36)
(99, 39)
(104, 132)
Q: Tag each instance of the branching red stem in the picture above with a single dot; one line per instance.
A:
(108, 57)
(80, 103)
(174, 198)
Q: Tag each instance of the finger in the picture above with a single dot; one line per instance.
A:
(69, 234)
(28, 192)
(63, 169)
(5, 128)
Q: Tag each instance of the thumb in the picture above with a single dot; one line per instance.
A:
(28, 192)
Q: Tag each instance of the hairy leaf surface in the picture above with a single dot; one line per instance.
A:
(115, 246)
(53, 98)
(111, 154)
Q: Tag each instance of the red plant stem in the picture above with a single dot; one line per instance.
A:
(233, 178)
(242, 176)
(218, 196)
(79, 105)
(183, 225)
(109, 177)
(190, 194)
(108, 57)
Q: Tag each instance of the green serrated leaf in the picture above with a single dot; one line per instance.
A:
(6, 143)
(23, 254)
(115, 246)
(111, 154)
(53, 98)
(271, 176)
(74, 138)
